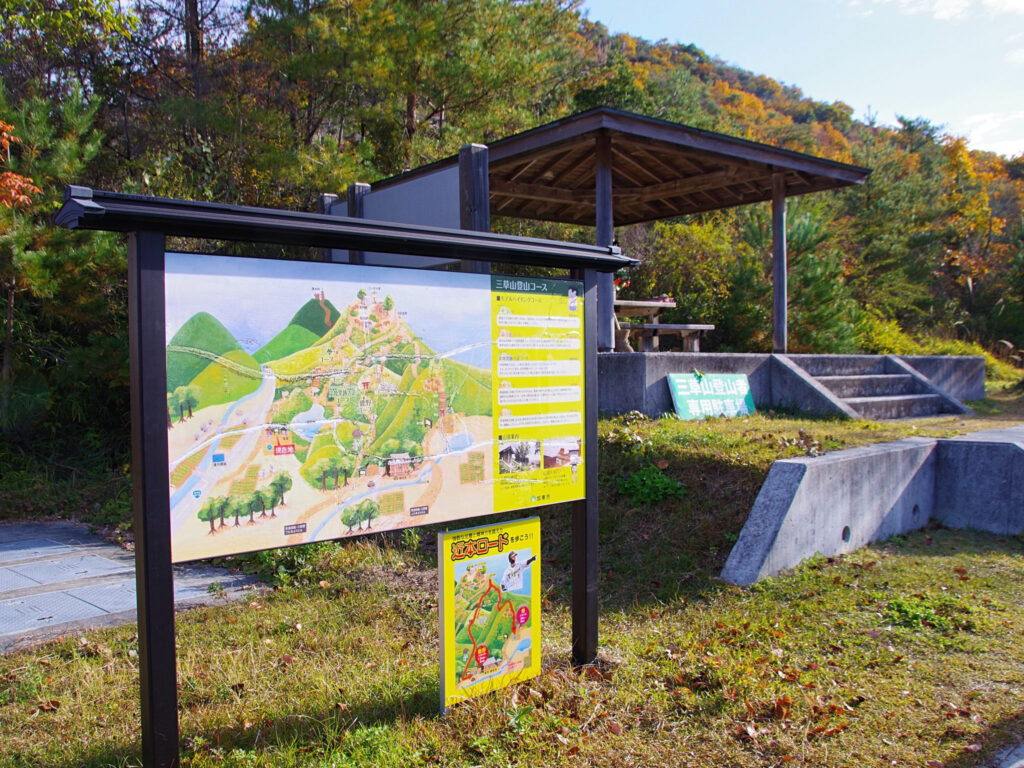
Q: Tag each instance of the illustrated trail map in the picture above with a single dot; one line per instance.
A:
(310, 401)
(489, 585)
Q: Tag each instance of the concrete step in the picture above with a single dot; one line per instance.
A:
(897, 406)
(871, 385)
(840, 365)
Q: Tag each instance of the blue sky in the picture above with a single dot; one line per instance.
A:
(957, 63)
(446, 309)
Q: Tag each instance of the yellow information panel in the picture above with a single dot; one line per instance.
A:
(537, 390)
(489, 596)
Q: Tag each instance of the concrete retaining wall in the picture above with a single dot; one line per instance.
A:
(833, 504)
(962, 377)
(637, 381)
(841, 501)
(980, 482)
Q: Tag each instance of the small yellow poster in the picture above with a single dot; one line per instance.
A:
(489, 596)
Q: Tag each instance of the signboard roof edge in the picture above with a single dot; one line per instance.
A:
(85, 208)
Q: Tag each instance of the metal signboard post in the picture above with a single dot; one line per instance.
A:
(149, 221)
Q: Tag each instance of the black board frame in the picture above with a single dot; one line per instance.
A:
(149, 221)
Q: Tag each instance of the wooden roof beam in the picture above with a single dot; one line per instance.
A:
(686, 186)
(687, 166)
(542, 192)
(624, 158)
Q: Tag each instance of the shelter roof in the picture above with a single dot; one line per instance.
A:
(659, 170)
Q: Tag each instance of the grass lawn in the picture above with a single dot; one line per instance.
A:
(907, 653)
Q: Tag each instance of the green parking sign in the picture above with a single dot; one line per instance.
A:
(699, 395)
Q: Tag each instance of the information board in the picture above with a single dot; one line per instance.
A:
(489, 606)
(699, 395)
(310, 401)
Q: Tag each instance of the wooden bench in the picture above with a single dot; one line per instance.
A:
(648, 333)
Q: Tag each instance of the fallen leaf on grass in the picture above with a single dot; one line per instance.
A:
(592, 673)
(829, 730)
(614, 727)
(782, 707)
(961, 571)
(48, 706)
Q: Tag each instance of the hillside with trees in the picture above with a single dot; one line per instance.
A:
(271, 102)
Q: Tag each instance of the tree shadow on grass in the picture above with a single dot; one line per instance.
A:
(654, 552)
(360, 727)
(1001, 746)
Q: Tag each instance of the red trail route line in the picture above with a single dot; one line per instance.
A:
(326, 309)
(501, 604)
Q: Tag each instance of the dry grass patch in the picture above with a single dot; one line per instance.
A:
(906, 653)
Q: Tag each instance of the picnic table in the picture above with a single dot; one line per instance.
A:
(648, 331)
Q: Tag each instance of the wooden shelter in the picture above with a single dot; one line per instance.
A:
(610, 168)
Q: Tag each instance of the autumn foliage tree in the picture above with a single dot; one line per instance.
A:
(271, 102)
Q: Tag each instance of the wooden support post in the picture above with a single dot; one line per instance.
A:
(324, 202)
(779, 272)
(153, 574)
(474, 197)
(355, 194)
(585, 511)
(605, 236)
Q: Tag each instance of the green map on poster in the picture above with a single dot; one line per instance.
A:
(310, 401)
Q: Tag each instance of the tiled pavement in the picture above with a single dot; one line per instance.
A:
(57, 578)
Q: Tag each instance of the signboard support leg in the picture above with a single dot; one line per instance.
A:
(153, 573)
(584, 511)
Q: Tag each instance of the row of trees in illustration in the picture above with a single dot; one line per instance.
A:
(262, 500)
(356, 514)
(181, 401)
(336, 467)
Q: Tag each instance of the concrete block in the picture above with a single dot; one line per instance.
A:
(980, 482)
(621, 382)
(950, 404)
(658, 400)
(638, 381)
(795, 389)
(760, 533)
(839, 365)
(961, 376)
(833, 504)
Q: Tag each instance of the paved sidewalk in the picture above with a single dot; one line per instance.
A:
(56, 578)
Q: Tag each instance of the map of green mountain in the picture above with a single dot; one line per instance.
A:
(316, 316)
(234, 375)
(305, 328)
(199, 341)
(340, 407)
